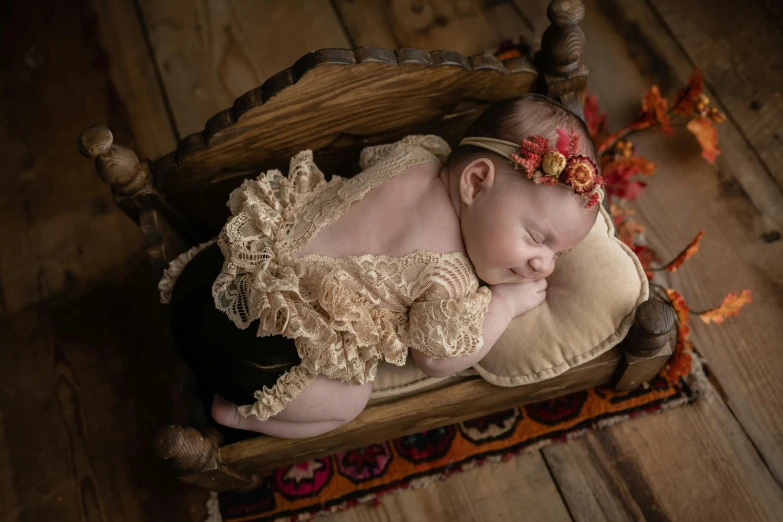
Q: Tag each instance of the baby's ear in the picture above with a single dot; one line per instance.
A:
(477, 176)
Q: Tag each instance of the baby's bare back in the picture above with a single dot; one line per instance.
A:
(410, 212)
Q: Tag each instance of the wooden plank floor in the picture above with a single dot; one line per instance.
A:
(85, 362)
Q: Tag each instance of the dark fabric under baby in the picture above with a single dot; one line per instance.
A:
(233, 363)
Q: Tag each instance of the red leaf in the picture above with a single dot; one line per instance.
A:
(646, 257)
(595, 120)
(691, 249)
(623, 188)
(707, 135)
(654, 108)
(730, 307)
(689, 95)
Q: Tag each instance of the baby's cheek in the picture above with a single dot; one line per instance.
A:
(502, 246)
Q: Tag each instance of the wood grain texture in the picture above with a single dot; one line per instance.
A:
(61, 73)
(463, 26)
(742, 63)
(212, 51)
(133, 75)
(687, 194)
(735, 200)
(460, 401)
(520, 489)
(691, 463)
(83, 386)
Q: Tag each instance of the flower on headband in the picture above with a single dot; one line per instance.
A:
(581, 174)
(544, 165)
(531, 154)
(553, 164)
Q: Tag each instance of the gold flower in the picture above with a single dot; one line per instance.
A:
(553, 163)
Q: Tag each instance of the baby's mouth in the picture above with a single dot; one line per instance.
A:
(530, 277)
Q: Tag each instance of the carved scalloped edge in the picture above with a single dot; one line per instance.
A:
(288, 77)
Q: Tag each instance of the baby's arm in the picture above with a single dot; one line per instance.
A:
(508, 301)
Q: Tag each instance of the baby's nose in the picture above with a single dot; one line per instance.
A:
(541, 265)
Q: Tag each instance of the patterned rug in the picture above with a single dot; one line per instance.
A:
(337, 482)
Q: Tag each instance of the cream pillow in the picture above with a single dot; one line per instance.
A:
(591, 298)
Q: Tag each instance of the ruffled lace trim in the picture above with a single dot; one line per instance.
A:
(271, 401)
(345, 314)
(175, 268)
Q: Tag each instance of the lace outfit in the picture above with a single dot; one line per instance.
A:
(344, 314)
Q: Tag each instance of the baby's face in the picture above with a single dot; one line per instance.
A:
(514, 231)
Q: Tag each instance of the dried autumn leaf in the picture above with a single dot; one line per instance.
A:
(686, 254)
(647, 256)
(631, 165)
(687, 98)
(617, 176)
(683, 316)
(707, 135)
(627, 230)
(620, 213)
(730, 307)
(682, 310)
(654, 108)
(680, 365)
(595, 120)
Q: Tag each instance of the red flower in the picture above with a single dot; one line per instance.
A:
(581, 174)
(531, 154)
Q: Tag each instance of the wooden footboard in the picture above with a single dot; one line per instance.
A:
(202, 461)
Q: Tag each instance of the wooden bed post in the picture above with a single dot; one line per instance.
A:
(560, 61)
(648, 345)
(196, 454)
(165, 232)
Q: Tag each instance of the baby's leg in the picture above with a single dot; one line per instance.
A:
(323, 406)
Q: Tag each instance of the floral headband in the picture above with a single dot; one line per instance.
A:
(550, 166)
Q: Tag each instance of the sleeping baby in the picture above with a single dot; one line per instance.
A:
(312, 283)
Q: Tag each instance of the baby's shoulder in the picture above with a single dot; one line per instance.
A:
(425, 210)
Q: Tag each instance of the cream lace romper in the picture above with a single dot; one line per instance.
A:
(344, 314)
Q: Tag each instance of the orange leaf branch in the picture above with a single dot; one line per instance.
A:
(731, 306)
(686, 254)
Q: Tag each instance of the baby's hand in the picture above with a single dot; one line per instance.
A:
(520, 297)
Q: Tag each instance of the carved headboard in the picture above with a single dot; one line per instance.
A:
(334, 102)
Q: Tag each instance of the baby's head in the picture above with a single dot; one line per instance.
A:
(514, 229)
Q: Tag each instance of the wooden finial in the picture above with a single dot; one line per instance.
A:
(652, 326)
(563, 41)
(94, 142)
(187, 448)
(116, 165)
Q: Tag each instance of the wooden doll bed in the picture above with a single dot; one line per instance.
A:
(335, 102)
